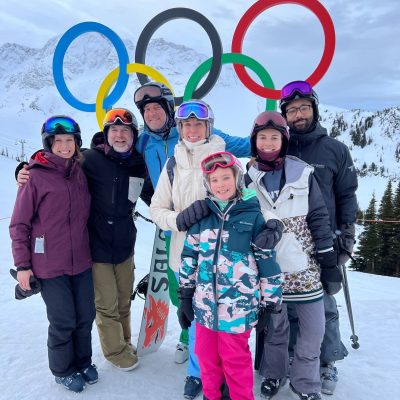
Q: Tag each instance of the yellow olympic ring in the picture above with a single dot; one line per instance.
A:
(112, 77)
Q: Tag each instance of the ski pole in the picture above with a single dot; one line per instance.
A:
(137, 214)
(346, 291)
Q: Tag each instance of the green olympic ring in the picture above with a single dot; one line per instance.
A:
(231, 58)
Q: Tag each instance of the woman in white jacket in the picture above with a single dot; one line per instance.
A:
(181, 184)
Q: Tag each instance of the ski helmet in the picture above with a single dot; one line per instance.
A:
(120, 116)
(298, 90)
(155, 92)
(195, 109)
(274, 120)
(60, 125)
(222, 159)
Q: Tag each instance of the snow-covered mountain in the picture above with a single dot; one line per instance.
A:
(28, 95)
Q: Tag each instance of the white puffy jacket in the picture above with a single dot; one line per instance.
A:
(187, 187)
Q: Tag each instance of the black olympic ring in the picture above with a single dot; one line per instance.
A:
(186, 13)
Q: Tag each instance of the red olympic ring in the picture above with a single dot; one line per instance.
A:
(256, 9)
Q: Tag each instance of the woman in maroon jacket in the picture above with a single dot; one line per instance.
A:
(50, 241)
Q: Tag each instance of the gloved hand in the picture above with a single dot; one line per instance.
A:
(185, 309)
(271, 235)
(192, 214)
(346, 242)
(21, 294)
(326, 259)
(331, 279)
(264, 315)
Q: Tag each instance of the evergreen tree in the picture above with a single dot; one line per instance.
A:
(394, 242)
(368, 248)
(385, 231)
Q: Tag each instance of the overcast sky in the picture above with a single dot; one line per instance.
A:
(287, 39)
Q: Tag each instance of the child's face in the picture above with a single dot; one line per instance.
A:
(269, 140)
(223, 183)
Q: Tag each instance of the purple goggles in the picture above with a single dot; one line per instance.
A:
(301, 87)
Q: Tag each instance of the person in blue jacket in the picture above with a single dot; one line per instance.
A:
(156, 143)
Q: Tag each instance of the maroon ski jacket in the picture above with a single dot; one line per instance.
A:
(48, 225)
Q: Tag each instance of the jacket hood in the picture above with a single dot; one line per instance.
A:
(134, 160)
(173, 132)
(315, 134)
(44, 159)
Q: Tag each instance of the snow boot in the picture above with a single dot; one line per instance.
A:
(329, 378)
(270, 387)
(90, 374)
(192, 388)
(73, 382)
(306, 396)
(181, 353)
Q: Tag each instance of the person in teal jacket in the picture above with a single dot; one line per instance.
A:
(227, 273)
(156, 143)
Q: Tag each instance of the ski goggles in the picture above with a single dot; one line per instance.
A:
(192, 109)
(148, 92)
(300, 87)
(270, 120)
(67, 124)
(222, 159)
(125, 116)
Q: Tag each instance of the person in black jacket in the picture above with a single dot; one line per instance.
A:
(336, 176)
(117, 176)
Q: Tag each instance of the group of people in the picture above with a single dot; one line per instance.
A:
(254, 249)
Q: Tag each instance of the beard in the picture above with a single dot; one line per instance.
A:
(301, 125)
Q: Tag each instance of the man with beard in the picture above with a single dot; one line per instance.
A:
(337, 179)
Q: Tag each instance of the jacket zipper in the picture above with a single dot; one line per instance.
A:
(215, 263)
(69, 228)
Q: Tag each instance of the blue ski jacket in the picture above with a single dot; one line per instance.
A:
(157, 149)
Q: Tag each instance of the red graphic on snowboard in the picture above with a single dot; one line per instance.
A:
(155, 316)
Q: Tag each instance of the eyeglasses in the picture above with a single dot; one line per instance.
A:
(292, 111)
(192, 108)
(301, 87)
(269, 119)
(222, 159)
(67, 124)
(125, 116)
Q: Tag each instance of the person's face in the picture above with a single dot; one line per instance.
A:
(223, 183)
(193, 130)
(154, 116)
(300, 119)
(120, 138)
(63, 146)
(269, 140)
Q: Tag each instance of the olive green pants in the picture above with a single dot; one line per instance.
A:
(113, 285)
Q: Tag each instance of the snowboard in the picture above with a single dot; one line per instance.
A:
(155, 313)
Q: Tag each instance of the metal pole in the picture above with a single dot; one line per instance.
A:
(346, 291)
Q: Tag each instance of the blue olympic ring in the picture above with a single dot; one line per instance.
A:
(58, 62)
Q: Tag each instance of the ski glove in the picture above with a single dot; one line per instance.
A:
(331, 279)
(346, 242)
(185, 309)
(21, 294)
(326, 259)
(264, 315)
(271, 235)
(192, 214)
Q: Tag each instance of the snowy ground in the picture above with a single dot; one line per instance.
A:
(371, 372)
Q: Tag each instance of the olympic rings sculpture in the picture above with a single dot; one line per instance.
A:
(120, 75)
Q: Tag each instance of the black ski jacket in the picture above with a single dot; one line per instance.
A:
(111, 227)
(333, 169)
